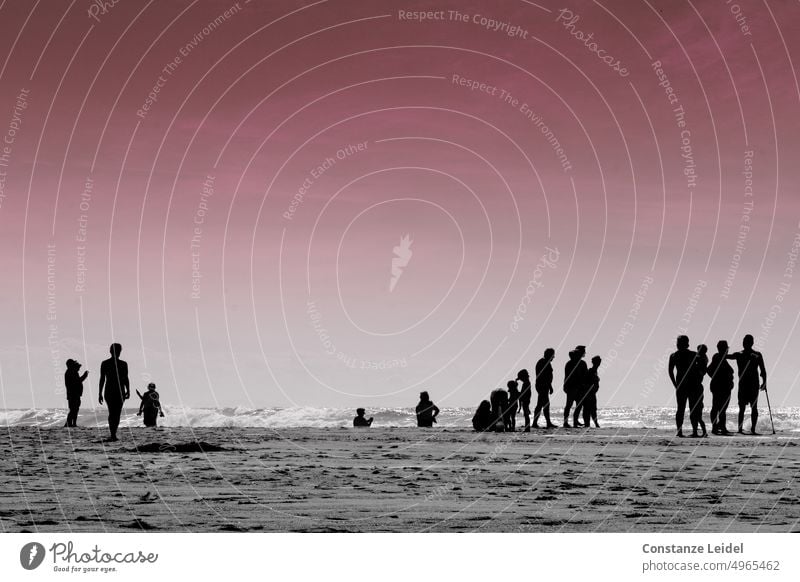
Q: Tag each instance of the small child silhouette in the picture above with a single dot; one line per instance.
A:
(150, 406)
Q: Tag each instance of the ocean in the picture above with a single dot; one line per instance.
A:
(786, 419)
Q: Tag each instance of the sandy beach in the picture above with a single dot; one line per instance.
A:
(396, 480)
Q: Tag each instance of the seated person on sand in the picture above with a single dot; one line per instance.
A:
(483, 419)
(150, 406)
(359, 419)
(426, 410)
(499, 401)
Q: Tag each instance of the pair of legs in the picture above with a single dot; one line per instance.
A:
(682, 396)
(719, 408)
(510, 419)
(72, 415)
(748, 397)
(590, 411)
(526, 411)
(114, 414)
(571, 399)
(696, 411)
(542, 407)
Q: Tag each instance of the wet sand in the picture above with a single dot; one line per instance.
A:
(398, 480)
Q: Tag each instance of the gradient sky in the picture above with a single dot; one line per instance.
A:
(293, 304)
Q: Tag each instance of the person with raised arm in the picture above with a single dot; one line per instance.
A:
(750, 364)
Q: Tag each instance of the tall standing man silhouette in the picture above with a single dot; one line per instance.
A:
(682, 361)
(114, 378)
(575, 376)
(749, 363)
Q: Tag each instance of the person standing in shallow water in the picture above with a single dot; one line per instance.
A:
(680, 367)
(749, 363)
(721, 388)
(544, 388)
(426, 410)
(73, 382)
(115, 387)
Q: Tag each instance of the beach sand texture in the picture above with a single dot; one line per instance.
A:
(397, 480)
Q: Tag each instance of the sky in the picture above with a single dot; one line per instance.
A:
(341, 204)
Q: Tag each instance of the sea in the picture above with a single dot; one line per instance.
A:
(786, 419)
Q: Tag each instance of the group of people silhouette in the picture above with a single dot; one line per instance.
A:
(581, 384)
(687, 370)
(115, 389)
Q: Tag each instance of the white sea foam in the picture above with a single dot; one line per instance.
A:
(786, 419)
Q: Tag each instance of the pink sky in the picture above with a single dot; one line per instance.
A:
(293, 304)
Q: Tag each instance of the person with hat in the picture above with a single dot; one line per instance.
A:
(359, 420)
(73, 382)
(575, 378)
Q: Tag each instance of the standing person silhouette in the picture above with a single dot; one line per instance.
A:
(721, 387)
(73, 382)
(544, 388)
(574, 380)
(513, 406)
(681, 361)
(525, 397)
(699, 370)
(590, 398)
(426, 410)
(114, 379)
(749, 363)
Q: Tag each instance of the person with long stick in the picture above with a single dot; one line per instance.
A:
(750, 363)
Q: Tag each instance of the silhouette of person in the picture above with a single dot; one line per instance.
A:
(483, 420)
(681, 361)
(721, 387)
(427, 411)
(574, 381)
(525, 397)
(544, 388)
(513, 406)
(590, 396)
(359, 420)
(114, 379)
(749, 363)
(699, 370)
(73, 382)
(150, 406)
(499, 400)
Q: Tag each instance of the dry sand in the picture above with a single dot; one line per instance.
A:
(400, 480)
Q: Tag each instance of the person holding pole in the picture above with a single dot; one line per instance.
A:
(750, 364)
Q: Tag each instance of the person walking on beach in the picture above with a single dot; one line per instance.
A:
(150, 406)
(114, 387)
(696, 395)
(513, 406)
(590, 398)
(544, 388)
(574, 380)
(681, 361)
(427, 411)
(73, 382)
(499, 400)
(749, 363)
(721, 387)
(360, 421)
(525, 397)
